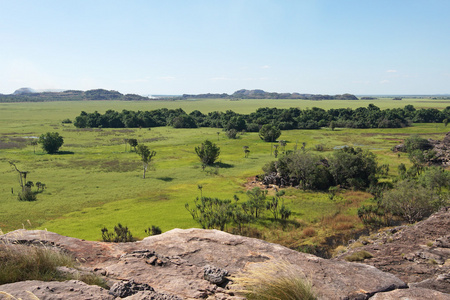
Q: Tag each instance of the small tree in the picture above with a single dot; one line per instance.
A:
(256, 203)
(154, 230)
(34, 144)
(246, 151)
(232, 133)
(269, 133)
(133, 143)
(146, 156)
(51, 142)
(211, 212)
(208, 152)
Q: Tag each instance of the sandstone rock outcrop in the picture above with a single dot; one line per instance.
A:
(418, 254)
(191, 264)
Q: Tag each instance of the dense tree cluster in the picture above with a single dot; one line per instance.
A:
(284, 119)
(347, 167)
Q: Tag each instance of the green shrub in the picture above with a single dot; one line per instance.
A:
(274, 281)
(208, 152)
(359, 256)
(154, 230)
(27, 195)
(231, 134)
(121, 234)
(410, 201)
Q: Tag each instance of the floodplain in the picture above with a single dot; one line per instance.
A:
(96, 179)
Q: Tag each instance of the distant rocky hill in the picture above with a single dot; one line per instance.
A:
(200, 264)
(260, 94)
(29, 95)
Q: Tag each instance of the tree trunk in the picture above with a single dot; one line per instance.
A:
(145, 169)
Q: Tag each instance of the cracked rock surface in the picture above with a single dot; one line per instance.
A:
(417, 254)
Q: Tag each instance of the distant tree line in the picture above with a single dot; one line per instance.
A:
(284, 119)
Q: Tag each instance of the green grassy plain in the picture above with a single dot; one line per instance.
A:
(97, 182)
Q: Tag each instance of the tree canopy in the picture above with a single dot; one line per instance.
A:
(208, 152)
(51, 142)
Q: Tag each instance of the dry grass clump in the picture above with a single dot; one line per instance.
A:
(274, 281)
(22, 262)
(309, 232)
(19, 263)
(11, 297)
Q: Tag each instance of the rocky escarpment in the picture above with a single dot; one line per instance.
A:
(418, 254)
(198, 264)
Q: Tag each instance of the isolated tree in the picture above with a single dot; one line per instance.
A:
(246, 151)
(34, 144)
(269, 133)
(208, 152)
(51, 142)
(232, 133)
(133, 143)
(22, 176)
(332, 125)
(146, 156)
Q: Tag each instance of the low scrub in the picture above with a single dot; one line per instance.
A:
(274, 281)
(359, 256)
(121, 234)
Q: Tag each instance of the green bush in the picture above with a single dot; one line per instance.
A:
(154, 230)
(359, 256)
(231, 134)
(410, 201)
(121, 234)
(208, 152)
(27, 195)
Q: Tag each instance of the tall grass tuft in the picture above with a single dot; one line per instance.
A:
(274, 281)
(19, 263)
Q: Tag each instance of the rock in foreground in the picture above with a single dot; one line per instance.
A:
(195, 264)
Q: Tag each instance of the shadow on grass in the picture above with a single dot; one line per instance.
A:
(166, 179)
(64, 152)
(223, 165)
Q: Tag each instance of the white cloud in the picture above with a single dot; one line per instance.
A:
(167, 78)
(265, 67)
(221, 78)
(384, 81)
(391, 71)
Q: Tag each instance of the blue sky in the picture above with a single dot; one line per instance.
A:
(220, 46)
